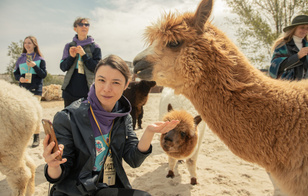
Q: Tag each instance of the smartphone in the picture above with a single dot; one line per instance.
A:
(29, 58)
(48, 128)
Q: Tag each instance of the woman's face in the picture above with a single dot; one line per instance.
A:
(301, 31)
(28, 45)
(81, 29)
(109, 86)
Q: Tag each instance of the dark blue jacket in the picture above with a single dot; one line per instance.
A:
(38, 73)
(73, 130)
(285, 63)
(75, 85)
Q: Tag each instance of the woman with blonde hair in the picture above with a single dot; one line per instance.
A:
(290, 60)
(30, 70)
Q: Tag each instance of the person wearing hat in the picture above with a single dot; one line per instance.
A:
(290, 51)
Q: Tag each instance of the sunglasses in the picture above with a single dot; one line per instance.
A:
(83, 24)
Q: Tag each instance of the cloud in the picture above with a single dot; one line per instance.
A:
(116, 25)
(120, 31)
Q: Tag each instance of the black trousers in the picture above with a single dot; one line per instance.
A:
(112, 192)
(67, 102)
(121, 192)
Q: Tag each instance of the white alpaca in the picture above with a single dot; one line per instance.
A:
(20, 116)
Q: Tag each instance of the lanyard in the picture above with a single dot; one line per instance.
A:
(100, 128)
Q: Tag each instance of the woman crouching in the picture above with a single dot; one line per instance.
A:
(94, 135)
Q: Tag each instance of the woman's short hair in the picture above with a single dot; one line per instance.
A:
(79, 20)
(117, 63)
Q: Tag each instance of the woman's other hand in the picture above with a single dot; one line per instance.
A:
(73, 51)
(54, 169)
(303, 52)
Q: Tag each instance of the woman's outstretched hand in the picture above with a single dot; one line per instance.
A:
(157, 127)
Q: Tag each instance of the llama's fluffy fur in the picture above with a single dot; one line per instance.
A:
(20, 115)
(182, 141)
(180, 102)
(261, 120)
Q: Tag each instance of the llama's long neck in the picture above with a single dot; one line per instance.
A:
(236, 109)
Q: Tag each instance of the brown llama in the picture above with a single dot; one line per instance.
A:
(261, 120)
(20, 116)
(182, 142)
(138, 93)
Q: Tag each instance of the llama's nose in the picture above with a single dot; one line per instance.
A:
(168, 139)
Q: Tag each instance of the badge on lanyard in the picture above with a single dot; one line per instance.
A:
(28, 77)
(80, 66)
(109, 171)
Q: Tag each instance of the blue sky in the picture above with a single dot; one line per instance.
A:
(116, 25)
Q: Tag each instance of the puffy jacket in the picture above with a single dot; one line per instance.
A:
(73, 130)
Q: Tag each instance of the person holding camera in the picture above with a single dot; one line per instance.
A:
(290, 52)
(29, 71)
(79, 60)
(95, 135)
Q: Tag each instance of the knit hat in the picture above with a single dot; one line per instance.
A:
(298, 20)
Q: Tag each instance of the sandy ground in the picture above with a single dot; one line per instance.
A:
(220, 173)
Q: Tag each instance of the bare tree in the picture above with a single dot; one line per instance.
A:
(260, 23)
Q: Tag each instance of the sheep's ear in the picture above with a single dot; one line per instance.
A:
(170, 107)
(197, 120)
(202, 14)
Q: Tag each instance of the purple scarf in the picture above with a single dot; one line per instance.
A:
(89, 40)
(104, 119)
(23, 59)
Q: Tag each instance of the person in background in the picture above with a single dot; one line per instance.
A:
(29, 71)
(95, 135)
(290, 51)
(79, 60)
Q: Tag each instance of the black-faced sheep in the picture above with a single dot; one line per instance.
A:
(20, 116)
(182, 142)
(138, 93)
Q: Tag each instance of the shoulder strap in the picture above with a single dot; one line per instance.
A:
(73, 43)
(92, 47)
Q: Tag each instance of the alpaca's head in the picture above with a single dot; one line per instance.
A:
(182, 140)
(179, 44)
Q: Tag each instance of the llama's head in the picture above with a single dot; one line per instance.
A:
(179, 44)
(182, 140)
(147, 85)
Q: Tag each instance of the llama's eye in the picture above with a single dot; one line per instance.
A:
(174, 44)
(183, 134)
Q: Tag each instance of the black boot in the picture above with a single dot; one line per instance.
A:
(36, 140)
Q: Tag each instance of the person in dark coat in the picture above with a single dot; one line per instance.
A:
(95, 135)
(290, 52)
(29, 71)
(79, 59)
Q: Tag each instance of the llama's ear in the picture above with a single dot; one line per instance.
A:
(170, 107)
(202, 14)
(197, 120)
